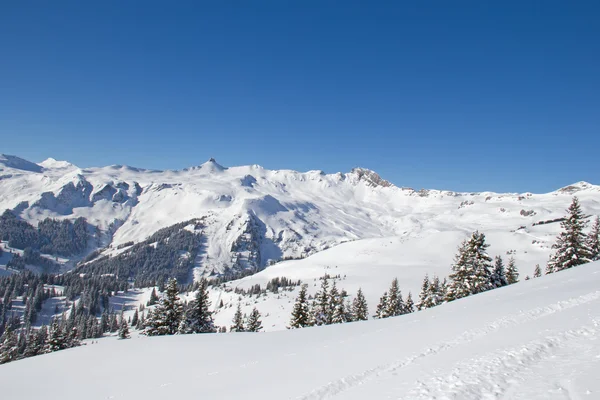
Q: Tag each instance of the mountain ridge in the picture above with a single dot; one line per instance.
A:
(254, 217)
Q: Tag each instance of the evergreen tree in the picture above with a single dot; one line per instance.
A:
(593, 240)
(57, 340)
(395, 304)
(424, 296)
(512, 274)
(571, 247)
(124, 329)
(336, 307)
(321, 306)
(238, 320)
(381, 311)
(254, 323)
(340, 314)
(437, 293)
(498, 278)
(166, 317)
(301, 312)
(409, 305)
(198, 316)
(8, 346)
(537, 272)
(471, 270)
(360, 310)
(153, 298)
(135, 319)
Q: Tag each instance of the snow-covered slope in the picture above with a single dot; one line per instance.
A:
(254, 216)
(538, 339)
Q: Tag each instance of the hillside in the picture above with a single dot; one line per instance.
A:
(537, 339)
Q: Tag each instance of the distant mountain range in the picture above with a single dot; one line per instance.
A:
(250, 217)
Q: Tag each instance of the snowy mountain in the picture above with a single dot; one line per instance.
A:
(250, 217)
(538, 339)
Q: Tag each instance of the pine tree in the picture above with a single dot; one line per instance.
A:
(593, 240)
(360, 310)
(537, 272)
(153, 298)
(409, 305)
(498, 278)
(238, 320)
(301, 312)
(381, 311)
(166, 317)
(8, 347)
(321, 305)
(336, 307)
(571, 247)
(471, 270)
(254, 323)
(424, 296)
(340, 314)
(437, 293)
(512, 274)
(135, 319)
(56, 340)
(124, 329)
(198, 315)
(395, 304)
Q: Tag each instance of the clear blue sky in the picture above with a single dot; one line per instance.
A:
(463, 95)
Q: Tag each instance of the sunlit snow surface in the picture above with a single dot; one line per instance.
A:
(538, 339)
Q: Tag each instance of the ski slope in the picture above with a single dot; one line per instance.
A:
(538, 339)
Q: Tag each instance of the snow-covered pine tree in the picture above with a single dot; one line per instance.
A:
(409, 304)
(381, 311)
(472, 268)
(593, 240)
(301, 313)
(340, 313)
(124, 329)
(498, 277)
(512, 273)
(198, 315)
(395, 303)
(360, 310)
(571, 247)
(424, 296)
(8, 346)
(238, 320)
(321, 308)
(56, 340)
(437, 294)
(166, 317)
(153, 298)
(537, 272)
(336, 305)
(254, 323)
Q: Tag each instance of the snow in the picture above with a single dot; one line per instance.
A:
(296, 214)
(538, 339)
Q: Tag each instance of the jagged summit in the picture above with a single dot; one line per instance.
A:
(372, 178)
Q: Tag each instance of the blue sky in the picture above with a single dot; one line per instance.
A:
(462, 95)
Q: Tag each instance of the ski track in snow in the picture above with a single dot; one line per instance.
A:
(491, 376)
(485, 371)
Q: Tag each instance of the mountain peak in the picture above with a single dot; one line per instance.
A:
(370, 177)
(15, 162)
(51, 163)
(576, 187)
